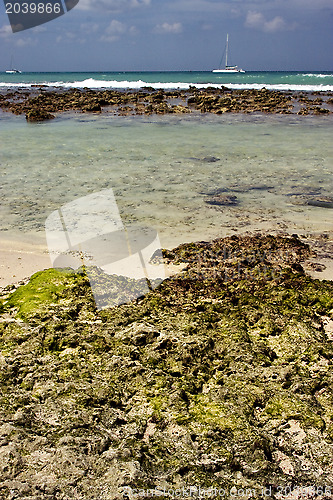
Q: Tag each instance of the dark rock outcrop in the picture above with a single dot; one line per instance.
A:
(38, 115)
(321, 201)
(222, 200)
(44, 101)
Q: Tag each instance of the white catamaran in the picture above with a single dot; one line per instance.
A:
(12, 70)
(228, 69)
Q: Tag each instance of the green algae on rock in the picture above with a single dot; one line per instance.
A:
(220, 377)
(45, 290)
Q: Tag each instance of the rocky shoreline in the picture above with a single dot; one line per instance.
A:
(41, 103)
(219, 378)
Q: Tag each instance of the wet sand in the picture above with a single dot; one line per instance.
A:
(19, 260)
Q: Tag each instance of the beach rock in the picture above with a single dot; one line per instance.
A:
(215, 191)
(322, 201)
(38, 115)
(303, 111)
(92, 107)
(244, 188)
(298, 190)
(210, 159)
(222, 200)
(157, 97)
(209, 100)
(319, 111)
(221, 377)
(193, 99)
(179, 108)
(206, 159)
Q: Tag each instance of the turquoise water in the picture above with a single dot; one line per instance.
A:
(157, 166)
(162, 173)
(298, 80)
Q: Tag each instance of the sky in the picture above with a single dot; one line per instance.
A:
(179, 35)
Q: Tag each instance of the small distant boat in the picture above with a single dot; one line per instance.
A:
(12, 70)
(227, 68)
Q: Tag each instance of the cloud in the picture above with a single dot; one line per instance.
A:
(166, 28)
(133, 31)
(23, 42)
(112, 5)
(5, 31)
(39, 29)
(256, 20)
(207, 6)
(116, 29)
(140, 3)
(7, 34)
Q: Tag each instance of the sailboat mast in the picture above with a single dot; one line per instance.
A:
(227, 69)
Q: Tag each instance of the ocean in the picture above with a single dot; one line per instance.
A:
(164, 169)
(277, 80)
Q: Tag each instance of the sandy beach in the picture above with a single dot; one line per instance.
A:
(19, 260)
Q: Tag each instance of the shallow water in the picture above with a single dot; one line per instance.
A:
(161, 171)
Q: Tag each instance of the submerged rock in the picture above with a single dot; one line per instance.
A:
(222, 200)
(322, 201)
(244, 188)
(38, 115)
(206, 159)
(220, 377)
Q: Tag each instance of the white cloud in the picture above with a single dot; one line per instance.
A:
(113, 31)
(139, 3)
(133, 31)
(5, 31)
(23, 42)
(167, 28)
(112, 5)
(256, 20)
(219, 7)
(116, 29)
(39, 29)
(276, 24)
(7, 34)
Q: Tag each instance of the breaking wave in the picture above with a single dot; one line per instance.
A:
(92, 83)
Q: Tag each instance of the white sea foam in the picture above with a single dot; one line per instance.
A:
(316, 75)
(91, 83)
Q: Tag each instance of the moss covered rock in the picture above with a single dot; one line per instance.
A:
(220, 377)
